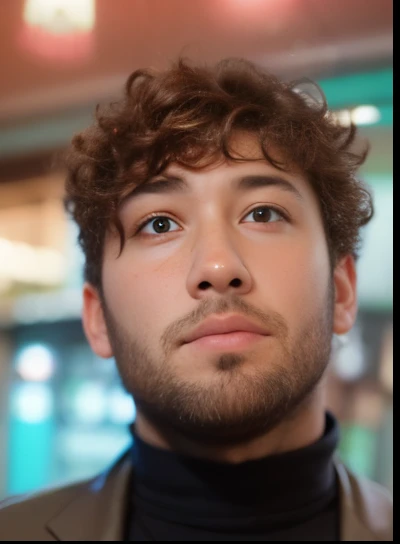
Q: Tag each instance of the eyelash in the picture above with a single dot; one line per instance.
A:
(138, 227)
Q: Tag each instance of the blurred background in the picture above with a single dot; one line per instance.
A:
(63, 412)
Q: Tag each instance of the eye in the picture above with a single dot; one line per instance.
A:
(264, 214)
(158, 225)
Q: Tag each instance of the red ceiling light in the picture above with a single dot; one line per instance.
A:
(269, 15)
(59, 29)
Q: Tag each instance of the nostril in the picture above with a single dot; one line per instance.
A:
(204, 285)
(236, 282)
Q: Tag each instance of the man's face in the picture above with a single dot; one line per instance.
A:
(219, 310)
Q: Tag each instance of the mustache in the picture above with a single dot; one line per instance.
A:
(174, 333)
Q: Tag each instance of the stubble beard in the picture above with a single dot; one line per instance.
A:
(245, 398)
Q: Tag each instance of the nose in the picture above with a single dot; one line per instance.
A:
(217, 268)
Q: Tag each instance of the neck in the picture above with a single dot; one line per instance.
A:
(299, 430)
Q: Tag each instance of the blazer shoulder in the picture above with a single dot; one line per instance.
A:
(87, 510)
(371, 503)
(376, 505)
(25, 516)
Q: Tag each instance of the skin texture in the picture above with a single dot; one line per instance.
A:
(229, 402)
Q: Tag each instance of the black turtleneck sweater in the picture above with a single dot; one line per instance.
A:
(291, 496)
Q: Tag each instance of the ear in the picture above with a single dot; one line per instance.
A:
(94, 323)
(345, 303)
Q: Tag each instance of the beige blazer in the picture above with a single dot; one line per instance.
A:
(96, 509)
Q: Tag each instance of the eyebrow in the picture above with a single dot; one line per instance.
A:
(164, 185)
(174, 184)
(258, 181)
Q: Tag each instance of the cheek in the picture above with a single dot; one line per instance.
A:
(294, 279)
(143, 299)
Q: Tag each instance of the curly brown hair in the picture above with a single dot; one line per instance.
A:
(187, 114)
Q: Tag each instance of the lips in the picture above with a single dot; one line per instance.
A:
(224, 325)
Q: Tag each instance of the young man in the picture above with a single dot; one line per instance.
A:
(219, 214)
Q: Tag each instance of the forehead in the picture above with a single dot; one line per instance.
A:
(247, 154)
(248, 169)
(248, 159)
(246, 145)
